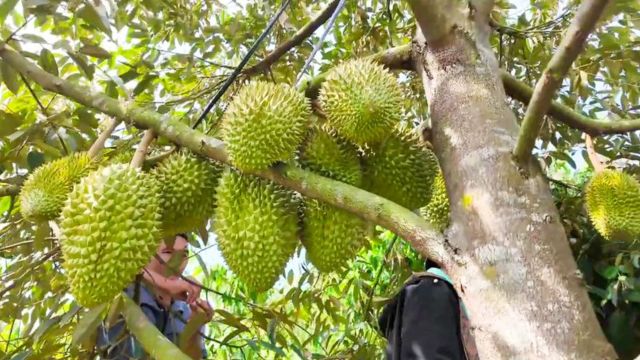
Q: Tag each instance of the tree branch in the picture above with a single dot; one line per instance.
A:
(98, 145)
(405, 223)
(151, 339)
(598, 164)
(143, 148)
(297, 39)
(522, 92)
(584, 22)
(9, 190)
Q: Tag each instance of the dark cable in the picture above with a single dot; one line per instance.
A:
(244, 61)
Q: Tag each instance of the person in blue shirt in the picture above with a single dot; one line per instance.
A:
(168, 300)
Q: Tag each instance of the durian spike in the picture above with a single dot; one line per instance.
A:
(98, 145)
(598, 164)
(143, 147)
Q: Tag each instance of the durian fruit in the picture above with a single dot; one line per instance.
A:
(362, 101)
(612, 199)
(264, 123)
(437, 210)
(188, 183)
(109, 230)
(332, 157)
(45, 190)
(257, 227)
(331, 235)
(401, 169)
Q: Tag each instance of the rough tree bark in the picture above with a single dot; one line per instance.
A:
(514, 267)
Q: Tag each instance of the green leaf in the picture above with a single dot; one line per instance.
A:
(634, 296)
(143, 84)
(88, 324)
(82, 64)
(95, 16)
(95, 51)
(48, 62)
(5, 8)
(8, 123)
(10, 78)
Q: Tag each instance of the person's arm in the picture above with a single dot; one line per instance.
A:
(176, 287)
(190, 339)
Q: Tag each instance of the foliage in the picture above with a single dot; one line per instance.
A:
(172, 56)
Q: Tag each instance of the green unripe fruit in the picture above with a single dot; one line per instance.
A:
(362, 101)
(257, 227)
(264, 123)
(110, 229)
(331, 157)
(45, 190)
(401, 169)
(612, 199)
(331, 236)
(437, 210)
(188, 184)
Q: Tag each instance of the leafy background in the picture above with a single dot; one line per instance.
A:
(172, 56)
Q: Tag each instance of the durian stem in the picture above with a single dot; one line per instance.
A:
(152, 340)
(598, 165)
(98, 145)
(9, 190)
(143, 148)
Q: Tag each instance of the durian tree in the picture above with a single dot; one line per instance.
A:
(447, 130)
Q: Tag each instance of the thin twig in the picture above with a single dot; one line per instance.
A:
(377, 279)
(598, 165)
(317, 46)
(15, 245)
(298, 38)
(244, 61)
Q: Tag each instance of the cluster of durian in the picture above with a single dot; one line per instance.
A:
(612, 200)
(259, 224)
(113, 217)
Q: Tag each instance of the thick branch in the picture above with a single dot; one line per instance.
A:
(295, 40)
(143, 148)
(152, 340)
(522, 92)
(376, 209)
(584, 22)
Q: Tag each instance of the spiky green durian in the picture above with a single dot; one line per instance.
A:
(188, 184)
(331, 236)
(46, 189)
(264, 123)
(110, 228)
(612, 199)
(332, 157)
(401, 169)
(437, 210)
(257, 227)
(362, 101)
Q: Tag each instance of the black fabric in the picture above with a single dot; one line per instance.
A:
(423, 322)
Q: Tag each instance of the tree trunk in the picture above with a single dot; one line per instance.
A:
(514, 267)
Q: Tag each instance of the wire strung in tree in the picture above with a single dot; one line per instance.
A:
(240, 66)
(317, 46)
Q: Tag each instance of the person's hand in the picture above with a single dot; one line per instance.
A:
(201, 312)
(181, 289)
